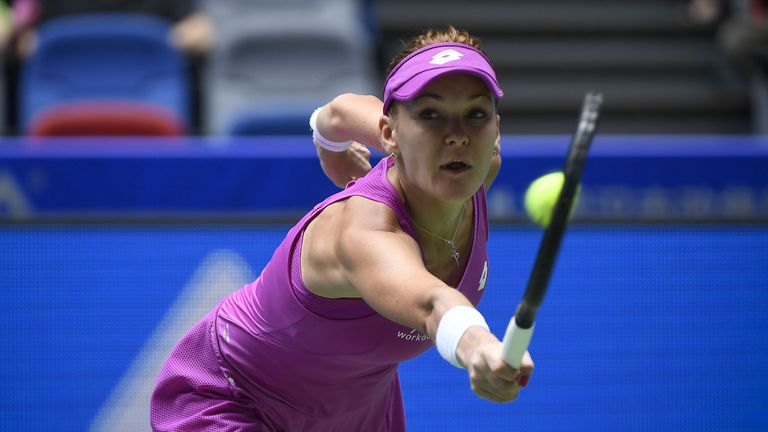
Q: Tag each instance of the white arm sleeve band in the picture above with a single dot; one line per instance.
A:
(322, 141)
(452, 327)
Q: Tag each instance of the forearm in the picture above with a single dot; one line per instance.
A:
(352, 117)
(493, 171)
(443, 300)
(343, 167)
(458, 329)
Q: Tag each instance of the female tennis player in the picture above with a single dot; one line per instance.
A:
(372, 276)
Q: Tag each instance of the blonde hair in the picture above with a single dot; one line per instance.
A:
(433, 36)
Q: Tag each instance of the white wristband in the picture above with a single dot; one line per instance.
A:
(452, 327)
(322, 141)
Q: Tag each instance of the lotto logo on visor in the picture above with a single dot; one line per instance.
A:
(446, 56)
(413, 73)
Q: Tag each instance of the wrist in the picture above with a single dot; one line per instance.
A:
(451, 330)
(320, 140)
(474, 338)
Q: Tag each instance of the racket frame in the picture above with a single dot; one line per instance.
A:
(520, 329)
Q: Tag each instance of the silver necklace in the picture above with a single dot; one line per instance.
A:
(452, 242)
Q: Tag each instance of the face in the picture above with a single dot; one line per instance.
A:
(445, 137)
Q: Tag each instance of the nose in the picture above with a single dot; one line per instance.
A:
(456, 134)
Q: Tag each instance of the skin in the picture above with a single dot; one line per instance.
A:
(356, 248)
(194, 34)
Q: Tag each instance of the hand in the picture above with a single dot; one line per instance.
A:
(343, 167)
(492, 378)
(195, 34)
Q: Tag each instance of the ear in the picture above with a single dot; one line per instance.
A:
(388, 134)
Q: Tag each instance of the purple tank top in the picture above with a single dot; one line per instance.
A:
(313, 363)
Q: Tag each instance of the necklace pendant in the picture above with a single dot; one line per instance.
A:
(454, 253)
(452, 242)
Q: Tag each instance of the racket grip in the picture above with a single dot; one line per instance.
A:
(515, 343)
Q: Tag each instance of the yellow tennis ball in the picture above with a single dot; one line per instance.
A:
(541, 197)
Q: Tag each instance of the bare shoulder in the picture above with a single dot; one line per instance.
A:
(366, 214)
(370, 227)
(357, 249)
(356, 214)
(338, 239)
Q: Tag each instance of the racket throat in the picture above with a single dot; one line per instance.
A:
(525, 315)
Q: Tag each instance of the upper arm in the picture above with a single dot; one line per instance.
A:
(493, 172)
(385, 267)
(495, 164)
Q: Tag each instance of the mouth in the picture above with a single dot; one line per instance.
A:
(456, 166)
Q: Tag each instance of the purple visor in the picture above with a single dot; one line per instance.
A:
(416, 71)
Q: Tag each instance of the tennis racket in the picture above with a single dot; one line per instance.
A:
(520, 328)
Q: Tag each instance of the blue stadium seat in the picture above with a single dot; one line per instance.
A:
(119, 58)
(272, 120)
(3, 100)
(276, 61)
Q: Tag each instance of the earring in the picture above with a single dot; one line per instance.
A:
(393, 155)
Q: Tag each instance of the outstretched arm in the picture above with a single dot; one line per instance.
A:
(383, 265)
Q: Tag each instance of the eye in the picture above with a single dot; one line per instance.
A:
(477, 114)
(428, 114)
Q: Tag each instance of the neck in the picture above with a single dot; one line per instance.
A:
(438, 217)
(446, 228)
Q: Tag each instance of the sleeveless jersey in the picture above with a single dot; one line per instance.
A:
(320, 364)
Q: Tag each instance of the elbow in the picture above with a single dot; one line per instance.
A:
(338, 111)
(346, 105)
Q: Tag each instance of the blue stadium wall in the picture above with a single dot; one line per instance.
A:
(109, 252)
(638, 178)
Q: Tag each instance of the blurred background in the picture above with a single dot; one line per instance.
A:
(153, 154)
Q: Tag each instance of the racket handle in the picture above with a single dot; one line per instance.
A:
(515, 343)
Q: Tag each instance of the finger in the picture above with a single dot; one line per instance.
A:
(500, 386)
(506, 387)
(526, 364)
(506, 372)
(526, 370)
(494, 396)
(523, 380)
(503, 371)
(360, 149)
